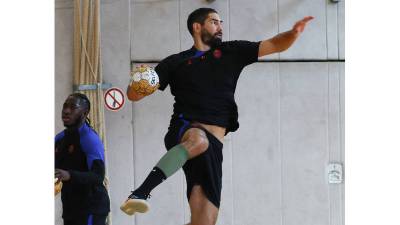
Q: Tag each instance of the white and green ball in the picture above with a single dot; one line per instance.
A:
(144, 80)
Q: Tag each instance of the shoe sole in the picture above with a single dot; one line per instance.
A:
(132, 206)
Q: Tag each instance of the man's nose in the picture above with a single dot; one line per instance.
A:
(66, 111)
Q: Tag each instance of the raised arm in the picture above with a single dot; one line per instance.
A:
(283, 41)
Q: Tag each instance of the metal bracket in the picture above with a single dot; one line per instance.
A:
(85, 87)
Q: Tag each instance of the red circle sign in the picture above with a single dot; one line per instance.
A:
(114, 99)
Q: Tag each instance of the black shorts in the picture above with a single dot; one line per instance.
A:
(87, 220)
(204, 170)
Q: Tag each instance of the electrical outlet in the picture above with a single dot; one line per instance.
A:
(335, 173)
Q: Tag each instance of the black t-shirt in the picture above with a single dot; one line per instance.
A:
(204, 85)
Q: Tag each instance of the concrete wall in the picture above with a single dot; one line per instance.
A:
(63, 70)
(163, 24)
(291, 113)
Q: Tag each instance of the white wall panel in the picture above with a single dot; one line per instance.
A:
(341, 31)
(303, 111)
(341, 196)
(154, 29)
(115, 40)
(63, 75)
(159, 27)
(256, 156)
(332, 30)
(253, 20)
(63, 36)
(312, 43)
(334, 141)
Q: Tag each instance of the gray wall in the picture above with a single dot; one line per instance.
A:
(291, 113)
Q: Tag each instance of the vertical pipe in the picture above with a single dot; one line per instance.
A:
(77, 41)
(83, 31)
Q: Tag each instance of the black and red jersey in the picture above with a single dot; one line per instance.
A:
(204, 84)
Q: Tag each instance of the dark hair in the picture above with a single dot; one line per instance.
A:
(198, 16)
(83, 101)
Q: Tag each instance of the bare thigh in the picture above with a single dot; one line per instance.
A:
(203, 212)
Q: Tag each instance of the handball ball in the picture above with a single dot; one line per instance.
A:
(144, 80)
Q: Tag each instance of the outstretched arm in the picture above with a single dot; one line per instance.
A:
(284, 40)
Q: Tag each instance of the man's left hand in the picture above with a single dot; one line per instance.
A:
(301, 24)
(62, 174)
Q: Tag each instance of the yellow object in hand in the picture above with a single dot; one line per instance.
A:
(57, 186)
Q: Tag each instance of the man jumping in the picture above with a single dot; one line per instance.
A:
(203, 81)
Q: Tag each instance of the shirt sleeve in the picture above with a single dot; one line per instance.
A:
(94, 176)
(246, 51)
(94, 150)
(163, 70)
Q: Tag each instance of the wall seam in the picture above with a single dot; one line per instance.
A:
(279, 140)
(341, 122)
(337, 30)
(179, 24)
(327, 29)
(328, 146)
(133, 107)
(231, 141)
(277, 15)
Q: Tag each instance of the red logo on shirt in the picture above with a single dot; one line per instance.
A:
(217, 53)
(189, 62)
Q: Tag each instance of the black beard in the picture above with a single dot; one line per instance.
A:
(209, 39)
(215, 42)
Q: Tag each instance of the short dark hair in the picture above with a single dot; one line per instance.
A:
(198, 16)
(83, 100)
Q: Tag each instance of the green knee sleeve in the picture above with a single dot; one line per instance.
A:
(173, 160)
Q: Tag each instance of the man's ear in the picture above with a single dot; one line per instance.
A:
(196, 28)
(85, 114)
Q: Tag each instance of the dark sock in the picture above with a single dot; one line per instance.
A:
(155, 178)
(171, 161)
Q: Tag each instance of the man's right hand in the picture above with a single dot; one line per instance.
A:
(133, 95)
(62, 175)
(144, 81)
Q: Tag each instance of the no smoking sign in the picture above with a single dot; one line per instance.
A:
(114, 99)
